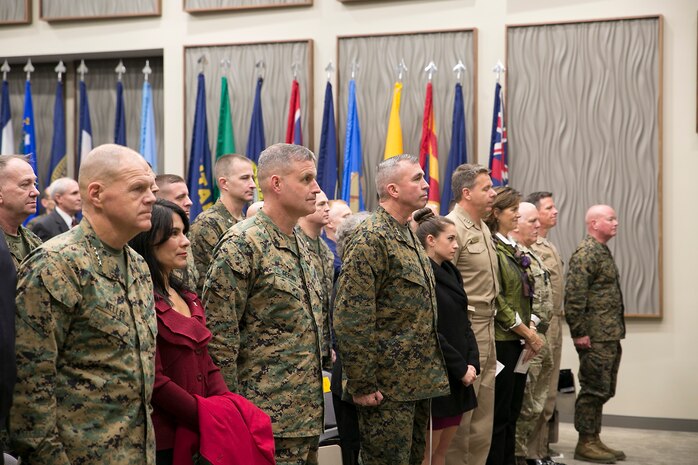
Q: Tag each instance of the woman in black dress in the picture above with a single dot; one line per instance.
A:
(438, 236)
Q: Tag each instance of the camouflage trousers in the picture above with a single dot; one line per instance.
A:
(296, 451)
(598, 373)
(393, 433)
(535, 395)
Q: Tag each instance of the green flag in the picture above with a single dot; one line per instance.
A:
(225, 141)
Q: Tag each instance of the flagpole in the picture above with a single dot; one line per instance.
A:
(5, 68)
(120, 119)
(120, 70)
(7, 141)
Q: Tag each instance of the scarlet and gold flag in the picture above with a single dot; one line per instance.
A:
(429, 151)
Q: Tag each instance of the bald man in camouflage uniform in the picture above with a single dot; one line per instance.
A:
(595, 313)
(86, 328)
(385, 322)
(264, 307)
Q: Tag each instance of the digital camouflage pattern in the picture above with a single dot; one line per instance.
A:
(85, 355)
(204, 234)
(547, 252)
(189, 276)
(593, 299)
(598, 376)
(22, 244)
(296, 451)
(542, 304)
(385, 314)
(264, 309)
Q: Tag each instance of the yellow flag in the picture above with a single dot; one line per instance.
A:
(393, 141)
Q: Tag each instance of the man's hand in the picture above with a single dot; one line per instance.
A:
(583, 342)
(369, 400)
(470, 376)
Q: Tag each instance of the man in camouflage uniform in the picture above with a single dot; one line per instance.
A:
(264, 308)
(538, 443)
(541, 365)
(310, 229)
(86, 328)
(18, 196)
(235, 180)
(595, 313)
(385, 321)
(174, 188)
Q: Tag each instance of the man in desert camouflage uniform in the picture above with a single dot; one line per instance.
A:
(595, 313)
(86, 328)
(310, 229)
(385, 321)
(18, 196)
(264, 307)
(235, 180)
(541, 366)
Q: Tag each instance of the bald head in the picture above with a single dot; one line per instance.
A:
(104, 164)
(528, 225)
(602, 223)
(595, 212)
(526, 210)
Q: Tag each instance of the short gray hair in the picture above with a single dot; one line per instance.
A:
(387, 172)
(347, 228)
(464, 178)
(276, 159)
(60, 186)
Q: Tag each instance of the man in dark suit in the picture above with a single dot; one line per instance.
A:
(66, 195)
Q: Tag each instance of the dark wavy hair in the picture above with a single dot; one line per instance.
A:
(429, 224)
(507, 197)
(160, 230)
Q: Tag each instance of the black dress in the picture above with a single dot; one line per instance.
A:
(457, 341)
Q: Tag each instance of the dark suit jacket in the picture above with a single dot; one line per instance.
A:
(8, 368)
(457, 340)
(49, 226)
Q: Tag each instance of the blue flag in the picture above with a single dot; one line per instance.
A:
(59, 162)
(7, 137)
(120, 121)
(85, 125)
(28, 135)
(458, 154)
(352, 177)
(327, 158)
(149, 146)
(199, 175)
(255, 138)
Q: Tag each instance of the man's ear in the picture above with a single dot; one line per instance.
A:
(392, 190)
(275, 181)
(465, 193)
(94, 193)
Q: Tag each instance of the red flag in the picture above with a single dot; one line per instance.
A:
(294, 134)
(428, 150)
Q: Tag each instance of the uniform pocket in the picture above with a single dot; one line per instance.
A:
(475, 247)
(106, 320)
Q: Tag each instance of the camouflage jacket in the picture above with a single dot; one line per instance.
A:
(85, 355)
(204, 234)
(385, 314)
(547, 251)
(593, 299)
(264, 308)
(30, 240)
(542, 305)
(515, 289)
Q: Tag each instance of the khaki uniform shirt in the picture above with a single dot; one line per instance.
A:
(385, 314)
(264, 308)
(551, 258)
(85, 354)
(476, 259)
(22, 244)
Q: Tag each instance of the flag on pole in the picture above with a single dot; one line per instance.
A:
(28, 134)
(120, 121)
(327, 158)
(255, 139)
(58, 166)
(148, 144)
(499, 169)
(294, 133)
(352, 176)
(225, 141)
(458, 154)
(428, 149)
(393, 141)
(85, 126)
(7, 138)
(199, 174)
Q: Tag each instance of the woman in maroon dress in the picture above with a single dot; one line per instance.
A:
(183, 366)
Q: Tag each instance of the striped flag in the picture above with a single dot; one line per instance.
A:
(120, 120)
(199, 173)
(7, 137)
(225, 141)
(429, 151)
(327, 157)
(352, 177)
(499, 167)
(148, 144)
(458, 154)
(294, 133)
(85, 126)
(59, 162)
(393, 140)
(255, 139)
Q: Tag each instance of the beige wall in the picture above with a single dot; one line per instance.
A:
(659, 373)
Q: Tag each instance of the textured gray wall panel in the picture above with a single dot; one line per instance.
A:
(62, 9)
(194, 5)
(13, 11)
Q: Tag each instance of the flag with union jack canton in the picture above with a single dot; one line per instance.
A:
(499, 169)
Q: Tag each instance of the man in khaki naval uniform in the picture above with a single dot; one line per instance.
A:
(263, 304)
(235, 180)
(538, 443)
(18, 196)
(86, 327)
(385, 321)
(476, 259)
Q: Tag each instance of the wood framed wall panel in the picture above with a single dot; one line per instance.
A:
(73, 10)
(584, 120)
(242, 78)
(15, 12)
(213, 6)
(378, 56)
